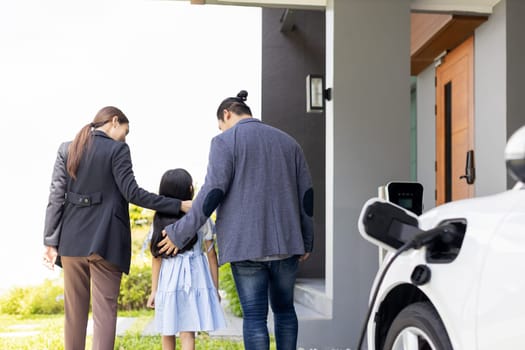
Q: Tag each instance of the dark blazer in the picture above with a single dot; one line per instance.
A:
(95, 215)
(57, 198)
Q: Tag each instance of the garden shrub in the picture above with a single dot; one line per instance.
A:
(227, 284)
(139, 217)
(135, 288)
(11, 302)
(46, 298)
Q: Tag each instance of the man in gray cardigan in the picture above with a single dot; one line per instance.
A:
(259, 181)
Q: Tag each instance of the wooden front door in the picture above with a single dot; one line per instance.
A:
(454, 122)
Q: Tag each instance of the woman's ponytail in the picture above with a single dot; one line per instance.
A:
(77, 148)
(82, 141)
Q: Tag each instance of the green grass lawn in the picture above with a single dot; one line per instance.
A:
(34, 332)
(46, 333)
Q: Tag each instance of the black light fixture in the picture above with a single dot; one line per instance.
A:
(316, 93)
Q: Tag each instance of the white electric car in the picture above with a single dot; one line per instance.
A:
(454, 277)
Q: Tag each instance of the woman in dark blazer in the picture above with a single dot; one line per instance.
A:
(87, 224)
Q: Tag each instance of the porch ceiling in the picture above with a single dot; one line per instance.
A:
(292, 4)
(446, 6)
(432, 34)
(437, 25)
(454, 6)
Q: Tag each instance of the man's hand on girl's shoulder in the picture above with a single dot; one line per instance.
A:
(166, 246)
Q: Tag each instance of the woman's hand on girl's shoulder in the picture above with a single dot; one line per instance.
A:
(185, 206)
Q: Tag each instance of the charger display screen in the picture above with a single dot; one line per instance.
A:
(406, 202)
(408, 195)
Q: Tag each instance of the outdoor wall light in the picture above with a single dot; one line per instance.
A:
(316, 93)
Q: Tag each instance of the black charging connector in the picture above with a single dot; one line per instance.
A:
(421, 239)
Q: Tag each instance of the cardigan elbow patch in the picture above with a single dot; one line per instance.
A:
(212, 201)
(308, 202)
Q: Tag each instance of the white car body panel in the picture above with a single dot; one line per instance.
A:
(501, 308)
(480, 296)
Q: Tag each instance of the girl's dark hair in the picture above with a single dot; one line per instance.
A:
(235, 105)
(82, 141)
(175, 183)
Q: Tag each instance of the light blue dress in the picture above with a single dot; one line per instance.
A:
(186, 298)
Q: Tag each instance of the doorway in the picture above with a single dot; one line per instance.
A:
(455, 175)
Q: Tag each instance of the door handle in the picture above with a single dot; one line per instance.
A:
(470, 169)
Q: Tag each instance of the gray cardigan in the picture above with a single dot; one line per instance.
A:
(259, 181)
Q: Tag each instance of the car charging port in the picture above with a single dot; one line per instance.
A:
(421, 275)
(445, 247)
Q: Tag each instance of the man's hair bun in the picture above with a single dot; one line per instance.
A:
(242, 95)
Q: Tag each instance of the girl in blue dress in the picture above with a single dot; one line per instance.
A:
(184, 287)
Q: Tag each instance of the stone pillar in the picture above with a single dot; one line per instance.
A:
(368, 144)
(515, 10)
(499, 77)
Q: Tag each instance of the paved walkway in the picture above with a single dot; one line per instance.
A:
(233, 325)
(232, 330)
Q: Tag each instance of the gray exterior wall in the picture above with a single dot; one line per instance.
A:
(413, 129)
(368, 144)
(490, 89)
(515, 29)
(287, 58)
(426, 136)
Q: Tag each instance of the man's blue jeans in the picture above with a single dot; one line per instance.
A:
(255, 281)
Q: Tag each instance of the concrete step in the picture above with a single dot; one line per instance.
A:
(311, 300)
